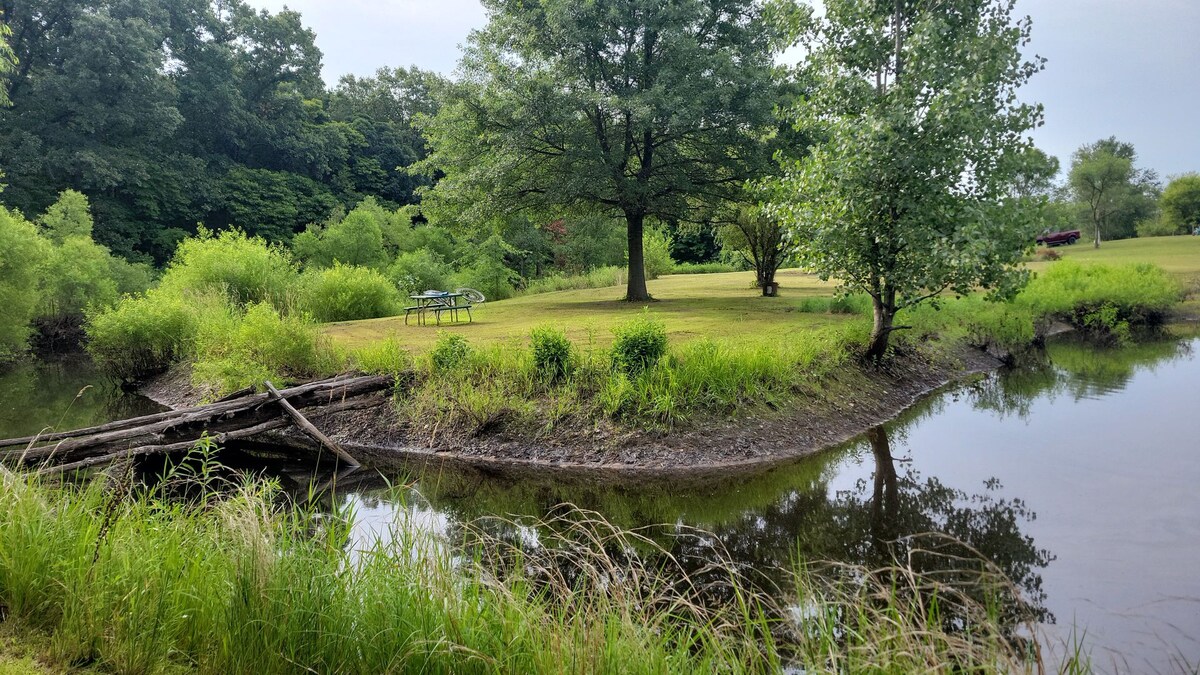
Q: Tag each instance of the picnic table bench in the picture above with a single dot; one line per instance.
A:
(438, 303)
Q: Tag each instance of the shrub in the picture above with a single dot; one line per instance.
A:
(656, 252)
(639, 344)
(601, 277)
(246, 269)
(77, 275)
(417, 271)
(1139, 294)
(21, 254)
(142, 335)
(551, 353)
(489, 276)
(345, 293)
(1157, 227)
(451, 350)
(704, 268)
(239, 351)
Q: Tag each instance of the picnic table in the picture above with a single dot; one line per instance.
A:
(438, 302)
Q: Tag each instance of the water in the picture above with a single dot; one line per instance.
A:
(1079, 480)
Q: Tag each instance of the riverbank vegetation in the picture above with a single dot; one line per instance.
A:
(226, 579)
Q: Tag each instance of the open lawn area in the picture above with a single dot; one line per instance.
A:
(709, 305)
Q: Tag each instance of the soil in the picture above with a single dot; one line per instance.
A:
(845, 406)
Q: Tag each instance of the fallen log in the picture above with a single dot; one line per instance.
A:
(226, 403)
(174, 430)
(308, 428)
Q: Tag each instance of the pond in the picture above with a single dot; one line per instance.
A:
(1077, 478)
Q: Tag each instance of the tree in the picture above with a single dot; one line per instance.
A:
(1116, 194)
(636, 108)
(1180, 202)
(761, 240)
(8, 60)
(909, 191)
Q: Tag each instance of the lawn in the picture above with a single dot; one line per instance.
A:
(709, 305)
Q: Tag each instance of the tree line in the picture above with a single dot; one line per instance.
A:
(894, 157)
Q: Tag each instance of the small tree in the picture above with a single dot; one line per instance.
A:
(1115, 193)
(763, 242)
(909, 192)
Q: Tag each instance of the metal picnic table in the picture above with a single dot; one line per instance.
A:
(438, 302)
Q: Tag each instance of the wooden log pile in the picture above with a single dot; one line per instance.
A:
(242, 415)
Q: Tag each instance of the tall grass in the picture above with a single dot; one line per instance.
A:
(600, 277)
(138, 580)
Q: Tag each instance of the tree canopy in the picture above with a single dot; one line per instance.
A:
(909, 191)
(1181, 203)
(1114, 191)
(634, 108)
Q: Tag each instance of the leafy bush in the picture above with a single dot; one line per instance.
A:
(639, 344)
(450, 351)
(1158, 227)
(704, 268)
(21, 255)
(246, 269)
(489, 276)
(238, 351)
(77, 275)
(1138, 294)
(356, 239)
(656, 251)
(552, 353)
(142, 335)
(417, 271)
(345, 293)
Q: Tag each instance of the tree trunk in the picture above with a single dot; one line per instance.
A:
(1097, 236)
(636, 286)
(885, 314)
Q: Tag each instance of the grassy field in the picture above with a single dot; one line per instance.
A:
(710, 305)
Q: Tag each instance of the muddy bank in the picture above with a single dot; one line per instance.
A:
(844, 406)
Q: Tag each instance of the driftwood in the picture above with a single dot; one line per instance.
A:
(178, 430)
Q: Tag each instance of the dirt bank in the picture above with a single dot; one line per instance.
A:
(845, 406)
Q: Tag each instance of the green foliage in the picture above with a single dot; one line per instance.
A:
(552, 353)
(639, 344)
(246, 269)
(1180, 203)
(78, 274)
(68, 217)
(1158, 227)
(1101, 298)
(638, 109)
(1114, 193)
(8, 61)
(143, 335)
(418, 271)
(357, 239)
(344, 293)
(704, 268)
(450, 352)
(489, 276)
(921, 138)
(761, 242)
(21, 254)
(590, 242)
(235, 351)
(656, 247)
(600, 277)
(385, 357)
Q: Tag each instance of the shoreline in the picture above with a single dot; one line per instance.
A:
(846, 405)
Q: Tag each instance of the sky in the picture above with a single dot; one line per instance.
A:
(1124, 68)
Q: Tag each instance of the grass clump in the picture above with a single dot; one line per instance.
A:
(552, 353)
(639, 344)
(1102, 299)
(343, 293)
(241, 350)
(450, 352)
(143, 335)
(245, 269)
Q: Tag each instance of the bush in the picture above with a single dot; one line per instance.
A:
(704, 268)
(246, 269)
(345, 293)
(1158, 227)
(142, 335)
(21, 254)
(656, 252)
(77, 275)
(450, 351)
(639, 344)
(1102, 296)
(418, 271)
(490, 277)
(601, 277)
(551, 353)
(240, 351)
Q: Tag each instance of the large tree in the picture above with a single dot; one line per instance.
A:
(1115, 193)
(639, 108)
(8, 60)
(1180, 203)
(909, 192)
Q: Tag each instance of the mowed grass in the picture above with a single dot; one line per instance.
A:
(720, 306)
(691, 306)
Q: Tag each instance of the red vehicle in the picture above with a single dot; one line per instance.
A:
(1067, 237)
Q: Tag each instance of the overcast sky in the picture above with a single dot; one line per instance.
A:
(1129, 68)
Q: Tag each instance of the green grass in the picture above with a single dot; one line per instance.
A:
(134, 581)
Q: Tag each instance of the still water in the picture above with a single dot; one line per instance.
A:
(1080, 479)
